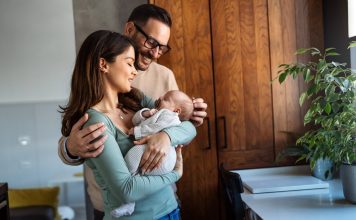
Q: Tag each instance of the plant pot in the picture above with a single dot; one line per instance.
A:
(324, 169)
(348, 179)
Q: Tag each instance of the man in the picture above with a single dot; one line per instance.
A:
(149, 27)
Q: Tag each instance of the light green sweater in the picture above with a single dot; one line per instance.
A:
(153, 195)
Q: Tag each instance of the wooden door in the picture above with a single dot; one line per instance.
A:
(191, 61)
(293, 24)
(242, 83)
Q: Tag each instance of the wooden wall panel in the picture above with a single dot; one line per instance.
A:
(242, 80)
(191, 61)
(292, 25)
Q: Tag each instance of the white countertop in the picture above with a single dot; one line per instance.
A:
(313, 204)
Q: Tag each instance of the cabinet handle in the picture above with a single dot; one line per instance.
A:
(224, 130)
(209, 141)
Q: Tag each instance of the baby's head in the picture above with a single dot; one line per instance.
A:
(176, 101)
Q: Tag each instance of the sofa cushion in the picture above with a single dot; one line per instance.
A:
(30, 197)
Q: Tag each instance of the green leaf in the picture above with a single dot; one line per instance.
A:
(302, 98)
(335, 107)
(346, 84)
(308, 116)
(332, 54)
(307, 75)
(352, 44)
(315, 51)
(327, 108)
(330, 48)
(283, 65)
(302, 51)
(312, 89)
(282, 77)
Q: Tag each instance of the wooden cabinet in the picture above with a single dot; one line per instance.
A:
(191, 62)
(242, 83)
(228, 52)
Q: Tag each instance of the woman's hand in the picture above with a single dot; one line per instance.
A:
(80, 141)
(199, 112)
(157, 148)
(179, 163)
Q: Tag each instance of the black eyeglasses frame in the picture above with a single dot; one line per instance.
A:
(152, 43)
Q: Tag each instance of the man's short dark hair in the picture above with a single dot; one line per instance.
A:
(142, 13)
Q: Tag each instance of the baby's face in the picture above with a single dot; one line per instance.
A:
(166, 101)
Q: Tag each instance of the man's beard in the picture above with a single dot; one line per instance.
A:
(141, 54)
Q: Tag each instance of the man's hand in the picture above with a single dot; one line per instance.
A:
(199, 111)
(157, 148)
(80, 141)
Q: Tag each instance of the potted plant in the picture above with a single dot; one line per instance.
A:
(331, 113)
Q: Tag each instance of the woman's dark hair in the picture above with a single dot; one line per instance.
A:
(142, 13)
(87, 82)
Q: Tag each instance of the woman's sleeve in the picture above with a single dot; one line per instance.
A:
(112, 168)
(183, 133)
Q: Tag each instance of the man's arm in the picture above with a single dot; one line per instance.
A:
(80, 142)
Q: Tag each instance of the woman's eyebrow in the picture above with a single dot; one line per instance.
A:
(127, 58)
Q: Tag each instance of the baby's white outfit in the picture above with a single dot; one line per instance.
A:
(162, 119)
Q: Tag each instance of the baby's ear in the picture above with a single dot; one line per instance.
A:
(177, 110)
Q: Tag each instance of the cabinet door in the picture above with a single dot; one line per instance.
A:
(191, 61)
(242, 83)
(293, 24)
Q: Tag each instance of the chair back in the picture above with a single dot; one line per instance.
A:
(232, 187)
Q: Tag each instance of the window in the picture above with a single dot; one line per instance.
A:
(352, 18)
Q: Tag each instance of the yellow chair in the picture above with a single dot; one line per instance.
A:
(34, 203)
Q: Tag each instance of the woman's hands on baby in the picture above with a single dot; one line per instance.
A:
(157, 148)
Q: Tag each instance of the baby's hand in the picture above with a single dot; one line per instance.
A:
(149, 113)
(131, 131)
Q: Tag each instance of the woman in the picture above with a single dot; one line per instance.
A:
(101, 86)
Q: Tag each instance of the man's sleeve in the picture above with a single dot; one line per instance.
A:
(63, 154)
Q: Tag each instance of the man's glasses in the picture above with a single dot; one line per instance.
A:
(152, 43)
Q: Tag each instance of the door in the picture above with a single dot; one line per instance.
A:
(242, 83)
(191, 61)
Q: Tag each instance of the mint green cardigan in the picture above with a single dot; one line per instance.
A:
(153, 195)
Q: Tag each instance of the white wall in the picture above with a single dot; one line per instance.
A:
(37, 54)
(37, 50)
(352, 17)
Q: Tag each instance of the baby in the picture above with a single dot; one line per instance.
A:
(172, 108)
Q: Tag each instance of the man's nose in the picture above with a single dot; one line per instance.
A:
(155, 52)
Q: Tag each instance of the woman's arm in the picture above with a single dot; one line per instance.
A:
(110, 166)
(181, 134)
